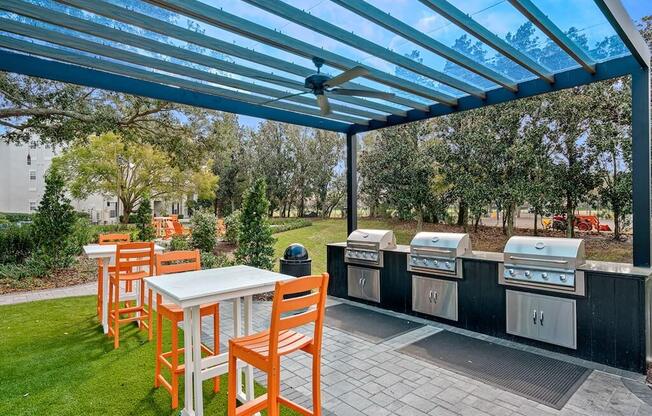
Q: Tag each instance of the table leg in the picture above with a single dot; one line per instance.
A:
(237, 332)
(105, 294)
(248, 330)
(197, 362)
(187, 357)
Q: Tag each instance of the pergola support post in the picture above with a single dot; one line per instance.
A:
(641, 173)
(351, 182)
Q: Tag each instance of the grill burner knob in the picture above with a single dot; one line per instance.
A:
(527, 274)
(544, 276)
(562, 277)
(435, 262)
(511, 272)
(448, 265)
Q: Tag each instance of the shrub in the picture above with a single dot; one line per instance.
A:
(212, 261)
(16, 243)
(232, 224)
(143, 221)
(14, 217)
(204, 234)
(255, 241)
(179, 242)
(292, 224)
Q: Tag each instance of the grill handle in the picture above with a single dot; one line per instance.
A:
(538, 259)
(431, 250)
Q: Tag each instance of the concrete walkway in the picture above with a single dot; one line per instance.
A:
(56, 293)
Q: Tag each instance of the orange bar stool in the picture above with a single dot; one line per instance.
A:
(130, 259)
(105, 239)
(175, 262)
(265, 349)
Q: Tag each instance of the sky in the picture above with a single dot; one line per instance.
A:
(497, 15)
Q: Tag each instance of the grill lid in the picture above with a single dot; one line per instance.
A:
(455, 244)
(518, 249)
(382, 239)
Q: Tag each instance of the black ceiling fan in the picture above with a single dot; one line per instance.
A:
(322, 85)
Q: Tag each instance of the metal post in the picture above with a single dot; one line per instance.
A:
(351, 183)
(641, 166)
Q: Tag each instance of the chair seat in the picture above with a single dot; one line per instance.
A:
(258, 344)
(129, 276)
(172, 311)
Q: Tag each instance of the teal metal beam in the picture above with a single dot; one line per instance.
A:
(149, 23)
(243, 27)
(332, 31)
(161, 65)
(622, 23)
(75, 74)
(369, 12)
(540, 20)
(465, 22)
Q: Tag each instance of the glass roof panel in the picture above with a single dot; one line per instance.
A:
(583, 21)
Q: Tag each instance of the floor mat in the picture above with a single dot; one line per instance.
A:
(364, 323)
(545, 380)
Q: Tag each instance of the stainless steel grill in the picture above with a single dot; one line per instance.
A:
(544, 263)
(438, 253)
(365, 246)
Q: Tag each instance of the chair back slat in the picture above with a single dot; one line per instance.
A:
(130, 255)
(178, 261)
(316, 302)
(104, 239)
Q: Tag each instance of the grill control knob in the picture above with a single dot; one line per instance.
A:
(544, 276)
(448, 265)
(562, 277)
(527, 274)
(511, 272)
(435, 262)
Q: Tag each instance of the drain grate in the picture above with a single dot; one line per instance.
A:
(543, 379)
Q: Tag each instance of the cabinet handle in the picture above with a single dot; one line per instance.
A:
(534, 317)
(364, 281)
(435, 297)
(541, 317)
(430, 296)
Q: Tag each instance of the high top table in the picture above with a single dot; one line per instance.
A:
(189, 290)
(106, 252)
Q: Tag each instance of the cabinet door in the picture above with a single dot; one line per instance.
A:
(557, 321)
(434, 297)
(364, 283)
(522, 314)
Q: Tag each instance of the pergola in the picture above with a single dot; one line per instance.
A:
(104, 44)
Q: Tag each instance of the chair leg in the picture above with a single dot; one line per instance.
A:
(159, 349)
(109, 305)
(116, 317)
(100, 277)
(175, 363)
(316, 384)
(149, 311)
(273, 390)
(216, 343)
(232, 385)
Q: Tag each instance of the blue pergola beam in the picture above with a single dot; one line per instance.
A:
(465, 22)
(74, 74)
(371, 13)
(136, 19)
(576, 77)
(540, 20)
(169, 67)
(332, 31)
(619, 19)
(243, 27)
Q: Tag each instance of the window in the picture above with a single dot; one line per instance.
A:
(32, 175)
(113, 211)
(29, 159)
(32, 145)
(175, 208)
(32, 206)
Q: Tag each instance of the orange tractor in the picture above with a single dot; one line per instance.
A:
(581, 222)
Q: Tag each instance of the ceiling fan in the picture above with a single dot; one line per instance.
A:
(322, 85)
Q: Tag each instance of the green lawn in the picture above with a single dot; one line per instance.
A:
(54, 360)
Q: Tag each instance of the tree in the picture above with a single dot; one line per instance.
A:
(255, 240)
(53, 224)
(204, 231)
(228, 163)
(146, 231)
(110, 165)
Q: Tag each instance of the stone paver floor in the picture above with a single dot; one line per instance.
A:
(362, 378)
(56, 293)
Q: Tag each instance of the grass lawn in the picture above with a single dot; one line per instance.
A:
(54, 360)
(322, 232)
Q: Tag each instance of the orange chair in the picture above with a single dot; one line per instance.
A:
(175, 262)
(129, 258)
(265, 349)
(104, 239)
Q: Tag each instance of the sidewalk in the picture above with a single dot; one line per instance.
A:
(56, 293)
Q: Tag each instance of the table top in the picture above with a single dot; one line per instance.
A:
(193, 288)
(107, 250)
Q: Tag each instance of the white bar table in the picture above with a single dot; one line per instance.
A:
(189, 290)
(106, 252)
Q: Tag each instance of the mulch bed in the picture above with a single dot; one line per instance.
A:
(83, 272)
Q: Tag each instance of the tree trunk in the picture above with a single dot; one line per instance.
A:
(510, 219)
(476, 222)
(419, 214)
(127, 208)
(570, 218)
(462, 213)
(616, 210)
(536, 221)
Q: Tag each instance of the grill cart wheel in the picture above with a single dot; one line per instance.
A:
(584, 226)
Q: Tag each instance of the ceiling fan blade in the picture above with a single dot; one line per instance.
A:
(348, 75)
(324, 105)
(361, 93)
(284, 97)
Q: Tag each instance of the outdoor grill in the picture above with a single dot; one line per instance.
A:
(544, 263)
(365, 246)
(438, 253)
